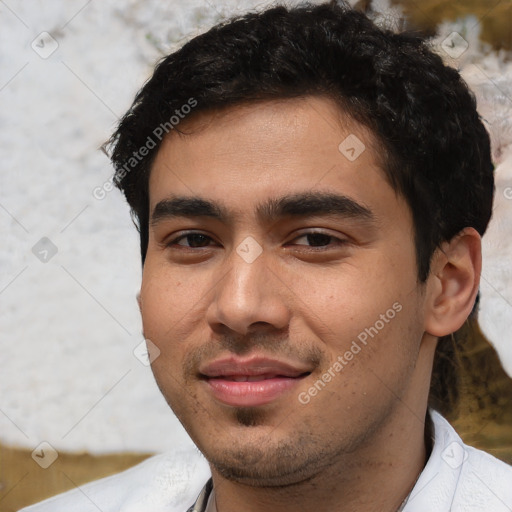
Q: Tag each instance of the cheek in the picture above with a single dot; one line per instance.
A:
(357, 291)
(163, 306)
(173, 311)
(368, 301)
(163, 310)
(167, 300)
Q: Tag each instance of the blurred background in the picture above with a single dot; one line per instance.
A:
(74, 382)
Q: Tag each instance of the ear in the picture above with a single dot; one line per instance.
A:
(453, 282)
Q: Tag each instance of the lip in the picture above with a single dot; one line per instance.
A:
(251, 382)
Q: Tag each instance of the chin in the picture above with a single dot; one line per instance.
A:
(261, 459)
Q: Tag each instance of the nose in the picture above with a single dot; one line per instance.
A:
(250, 296)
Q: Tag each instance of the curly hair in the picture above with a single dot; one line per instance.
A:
(435, 149)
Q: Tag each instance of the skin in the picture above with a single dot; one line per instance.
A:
(358, 444)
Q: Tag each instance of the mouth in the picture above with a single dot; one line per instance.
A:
(252, 378)
(251, 382)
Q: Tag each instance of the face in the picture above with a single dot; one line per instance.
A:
(280, 286)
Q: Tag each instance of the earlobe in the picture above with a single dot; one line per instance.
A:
(453, 282)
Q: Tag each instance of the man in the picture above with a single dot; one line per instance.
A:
(310, 192)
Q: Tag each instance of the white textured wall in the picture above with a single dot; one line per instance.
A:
(68, 326)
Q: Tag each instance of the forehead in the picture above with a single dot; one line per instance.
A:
(247, 153)
(280, 121)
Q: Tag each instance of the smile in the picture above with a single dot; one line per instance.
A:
(253, 391)
(253, 382)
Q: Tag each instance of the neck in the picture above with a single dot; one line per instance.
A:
(378, 476)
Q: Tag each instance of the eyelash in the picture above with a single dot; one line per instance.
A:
(338, 241)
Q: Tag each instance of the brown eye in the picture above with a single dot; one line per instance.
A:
(191, 240)
(317, 239)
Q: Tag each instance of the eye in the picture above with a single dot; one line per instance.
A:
(317, 239)
(192, 240)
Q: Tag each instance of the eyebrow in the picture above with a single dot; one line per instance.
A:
(295, 205)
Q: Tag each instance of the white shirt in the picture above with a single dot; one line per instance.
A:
(456, 478)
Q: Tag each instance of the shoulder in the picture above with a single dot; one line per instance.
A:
(168, 482)
(460, 478)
